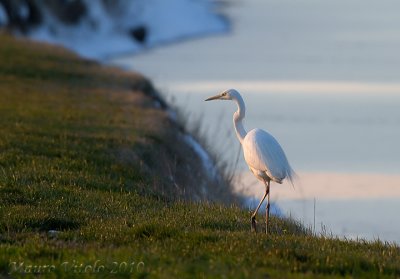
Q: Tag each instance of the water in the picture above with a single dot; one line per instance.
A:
(322, 77)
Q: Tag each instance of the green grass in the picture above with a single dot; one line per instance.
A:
(83, 152)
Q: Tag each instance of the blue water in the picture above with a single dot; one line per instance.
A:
(322, 77)
(281, 41)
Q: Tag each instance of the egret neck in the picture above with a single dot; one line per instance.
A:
(238, 117)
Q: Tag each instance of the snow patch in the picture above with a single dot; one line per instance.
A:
(208, 164)
(107, 30)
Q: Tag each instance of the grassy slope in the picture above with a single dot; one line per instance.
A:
(82, 153)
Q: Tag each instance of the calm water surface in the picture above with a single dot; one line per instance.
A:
(322, 77)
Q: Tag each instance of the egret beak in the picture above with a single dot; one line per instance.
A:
(216, 97)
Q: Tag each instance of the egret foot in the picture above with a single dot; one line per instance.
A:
(253, 224)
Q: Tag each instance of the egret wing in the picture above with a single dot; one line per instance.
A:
(262, 152)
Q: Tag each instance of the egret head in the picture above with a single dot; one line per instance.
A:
(225, 95)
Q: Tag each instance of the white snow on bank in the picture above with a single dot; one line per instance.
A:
(104, 32)
(3, 16)
(208, 163)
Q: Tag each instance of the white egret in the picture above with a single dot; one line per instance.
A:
(263, 154)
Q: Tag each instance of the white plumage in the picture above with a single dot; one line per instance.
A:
(262, 152)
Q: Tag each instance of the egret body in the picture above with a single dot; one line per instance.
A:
(262, 153)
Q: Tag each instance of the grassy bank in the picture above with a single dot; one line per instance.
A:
(95, 179)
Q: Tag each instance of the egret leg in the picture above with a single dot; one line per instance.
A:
(267, 208)
(253, 216)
